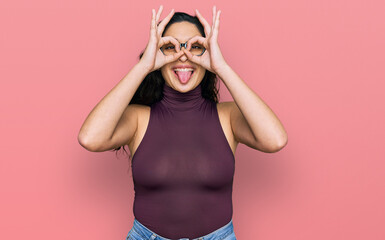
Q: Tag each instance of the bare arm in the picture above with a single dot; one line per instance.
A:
(97, 131)
(113, 122)
(252, 120)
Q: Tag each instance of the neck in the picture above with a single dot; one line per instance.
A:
(180, 101)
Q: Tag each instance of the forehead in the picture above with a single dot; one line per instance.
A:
(182, 31)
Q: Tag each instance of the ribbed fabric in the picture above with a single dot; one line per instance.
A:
(184, 167)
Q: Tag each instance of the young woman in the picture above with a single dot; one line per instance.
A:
(181, 139)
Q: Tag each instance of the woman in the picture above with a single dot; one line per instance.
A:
(182, 140)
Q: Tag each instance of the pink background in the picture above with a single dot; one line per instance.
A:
(318, 64)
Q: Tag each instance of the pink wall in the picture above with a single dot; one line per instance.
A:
(318, 64)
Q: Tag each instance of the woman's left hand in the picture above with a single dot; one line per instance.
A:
(212, 59)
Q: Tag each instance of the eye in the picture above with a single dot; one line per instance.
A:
(196, 47)
(169, 47)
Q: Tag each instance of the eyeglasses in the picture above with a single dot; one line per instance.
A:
(196, 49)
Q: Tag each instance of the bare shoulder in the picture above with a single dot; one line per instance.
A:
(137, 109)
(224, 113)
(140, 108)
(143, 115)
(141, 111)
(226, 107)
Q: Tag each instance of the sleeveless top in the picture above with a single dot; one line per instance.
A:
(183, 168)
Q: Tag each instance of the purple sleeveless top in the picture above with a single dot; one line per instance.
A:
(184, 167)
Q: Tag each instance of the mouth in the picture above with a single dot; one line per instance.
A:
(184, 74)
(176, 70)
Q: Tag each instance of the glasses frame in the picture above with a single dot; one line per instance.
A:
(185, 46)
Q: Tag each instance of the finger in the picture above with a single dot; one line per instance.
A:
(159, 13)
(216, 26)
(164, 22)
(195, 39)
(153, 18)
(175, 56)
(169, 39)
(205, 24)
(214, 15)
(192, 58)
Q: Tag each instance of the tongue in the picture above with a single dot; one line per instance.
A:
(184, 76)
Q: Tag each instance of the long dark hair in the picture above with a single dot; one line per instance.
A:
(151, 88)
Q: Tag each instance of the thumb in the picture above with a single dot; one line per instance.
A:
(191, 57)
(174, 57)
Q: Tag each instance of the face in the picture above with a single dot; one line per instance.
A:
(182, 32)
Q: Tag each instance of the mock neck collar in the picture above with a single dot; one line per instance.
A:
(180, 101)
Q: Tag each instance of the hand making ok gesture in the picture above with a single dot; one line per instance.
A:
(152, 58)
(212, 59)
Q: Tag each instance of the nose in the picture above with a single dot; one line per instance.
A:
(183, 45)
(183, 58)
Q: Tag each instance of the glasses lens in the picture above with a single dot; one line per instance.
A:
(168, 49)
(197, 49)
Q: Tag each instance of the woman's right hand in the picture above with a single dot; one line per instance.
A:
(153, 58)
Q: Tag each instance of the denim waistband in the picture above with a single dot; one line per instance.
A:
(147, 234)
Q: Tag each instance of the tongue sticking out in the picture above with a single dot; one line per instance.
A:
(184, 76)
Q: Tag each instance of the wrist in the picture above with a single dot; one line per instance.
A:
(221, 68)
(144, 68)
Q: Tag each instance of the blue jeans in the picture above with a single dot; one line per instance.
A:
(140, 232)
